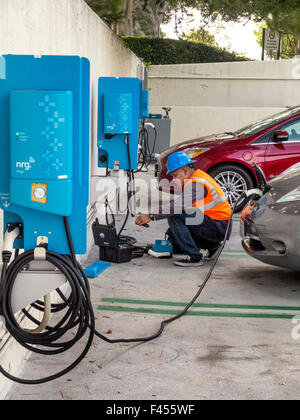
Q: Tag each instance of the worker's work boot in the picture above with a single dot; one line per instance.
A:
(212, 253)
(190, 261)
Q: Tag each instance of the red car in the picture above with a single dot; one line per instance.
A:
(272, 143)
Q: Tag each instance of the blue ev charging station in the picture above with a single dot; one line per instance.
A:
(44, 174)
(44, 125)
(122, 102)
(44, 194)
(44, 190)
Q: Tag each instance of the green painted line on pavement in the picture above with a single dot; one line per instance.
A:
(235, 256)
(194, 313)
(235, 251)
(200, 305)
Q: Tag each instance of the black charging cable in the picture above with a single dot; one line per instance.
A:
(125, 240)
(189, 305)
(79, 313)
(146, 155)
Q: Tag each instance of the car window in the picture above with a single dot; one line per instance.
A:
(267, 122)
(293, 129)
(263, 139)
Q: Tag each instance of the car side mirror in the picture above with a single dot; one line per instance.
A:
(281, 135)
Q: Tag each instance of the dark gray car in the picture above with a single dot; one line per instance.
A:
(270, 226)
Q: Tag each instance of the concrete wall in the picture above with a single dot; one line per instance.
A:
(216, 97)
(61, 27)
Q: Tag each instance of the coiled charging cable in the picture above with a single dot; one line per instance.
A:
(78, 314)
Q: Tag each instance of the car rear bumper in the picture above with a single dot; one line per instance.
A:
(268, 249)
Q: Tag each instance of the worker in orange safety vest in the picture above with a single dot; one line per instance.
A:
(198, 218)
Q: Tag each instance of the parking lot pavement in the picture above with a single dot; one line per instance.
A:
(236, 343)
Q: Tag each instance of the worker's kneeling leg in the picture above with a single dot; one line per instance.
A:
(182, 235)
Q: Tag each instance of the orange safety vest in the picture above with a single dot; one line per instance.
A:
(215, 204)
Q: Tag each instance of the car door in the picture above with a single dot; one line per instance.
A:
(258, 151)
(280, 155)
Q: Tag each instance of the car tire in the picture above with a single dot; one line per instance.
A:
(242, 181)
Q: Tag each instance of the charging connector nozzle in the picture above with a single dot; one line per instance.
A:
(12, 233)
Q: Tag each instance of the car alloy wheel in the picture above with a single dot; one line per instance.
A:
(233, 184)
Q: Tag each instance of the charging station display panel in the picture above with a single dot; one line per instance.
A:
(119, 111)
(41, 170)
(44, 131)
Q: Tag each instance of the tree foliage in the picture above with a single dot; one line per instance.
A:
(281, 15)
(200, 35)
(149, 15)
(110, 10)
(146, 16)
(139, 17)
(172, 51)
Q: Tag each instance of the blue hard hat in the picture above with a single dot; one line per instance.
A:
(178, 160)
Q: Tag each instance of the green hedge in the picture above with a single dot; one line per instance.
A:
(172, 51)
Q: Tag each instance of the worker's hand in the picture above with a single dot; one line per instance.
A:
(143, 219)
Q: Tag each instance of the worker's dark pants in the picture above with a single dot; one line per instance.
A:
(190, 238)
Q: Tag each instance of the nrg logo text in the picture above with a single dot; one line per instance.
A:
(25, 165)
